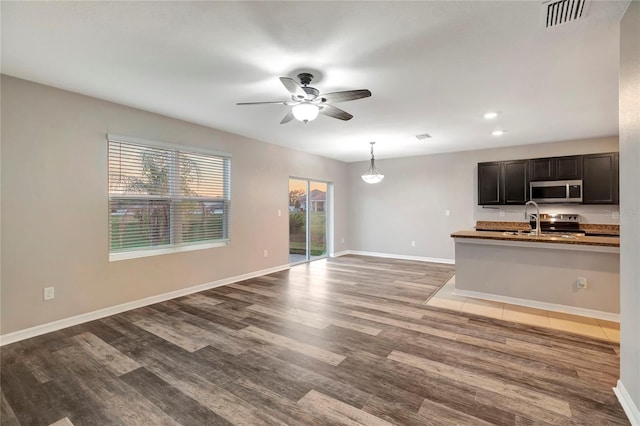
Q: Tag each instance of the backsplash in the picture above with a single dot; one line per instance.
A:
(603, 214)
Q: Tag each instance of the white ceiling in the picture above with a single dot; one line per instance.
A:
(433, 67)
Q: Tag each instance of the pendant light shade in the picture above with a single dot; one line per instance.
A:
(305, 112)
(372, 175)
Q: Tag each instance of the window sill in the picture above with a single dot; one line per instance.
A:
(125, 255)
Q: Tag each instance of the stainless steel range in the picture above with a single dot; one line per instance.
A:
(560, 223)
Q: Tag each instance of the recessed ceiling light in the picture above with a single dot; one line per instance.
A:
(491, 115)
(498, 132)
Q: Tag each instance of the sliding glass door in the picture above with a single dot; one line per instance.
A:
(308, 220)
(317, 208)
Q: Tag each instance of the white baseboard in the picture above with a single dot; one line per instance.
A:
(341, 253)
(630, 409)
(609, 316)
(112, 310)
(402, 257)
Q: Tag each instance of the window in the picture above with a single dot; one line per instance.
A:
(164, 199)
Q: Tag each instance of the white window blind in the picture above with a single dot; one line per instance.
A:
(161, 197)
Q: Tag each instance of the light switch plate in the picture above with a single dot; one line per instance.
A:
(49, 293)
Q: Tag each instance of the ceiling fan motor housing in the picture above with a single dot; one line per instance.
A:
(305, 78)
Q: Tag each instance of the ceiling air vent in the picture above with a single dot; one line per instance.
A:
(423, 136)
(557, 12)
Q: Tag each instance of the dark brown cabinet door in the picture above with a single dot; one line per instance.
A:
(568, 168)
(556, 168)
(489, 183)
(600, 178)
(541, 169)
(516, 182)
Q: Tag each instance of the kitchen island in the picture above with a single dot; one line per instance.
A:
(541, 271)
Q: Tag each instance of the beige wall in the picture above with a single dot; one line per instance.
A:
(54, 205)
(630, 202)
(410, 203)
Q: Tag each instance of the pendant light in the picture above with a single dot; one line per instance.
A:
(372, 175)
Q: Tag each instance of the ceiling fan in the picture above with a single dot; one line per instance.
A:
(307, 102)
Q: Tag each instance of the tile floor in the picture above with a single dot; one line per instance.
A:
(606, 330)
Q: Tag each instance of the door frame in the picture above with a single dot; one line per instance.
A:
(329, 212)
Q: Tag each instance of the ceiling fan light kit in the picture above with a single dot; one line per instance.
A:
(305, 112)
(372, 175)
(306, 102)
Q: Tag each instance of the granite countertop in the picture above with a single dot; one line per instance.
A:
(589, 228)
(486, 225)
(595, 228)
(545, 238)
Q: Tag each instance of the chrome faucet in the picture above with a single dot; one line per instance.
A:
(537, 233)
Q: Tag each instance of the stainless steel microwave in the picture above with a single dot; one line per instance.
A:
(556, 191)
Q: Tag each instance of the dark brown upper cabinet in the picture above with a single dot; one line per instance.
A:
(503, 182)
(600, 178)
(516, 182)
(555, 168)
(507, 182)
(490, 183)
(568, 168)
(541, 169)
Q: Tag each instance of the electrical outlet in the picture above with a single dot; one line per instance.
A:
(447, 212)
(49, 293)
(502, 213)
(266, 253)
(413, 243)
(581, 282)
(342, 240)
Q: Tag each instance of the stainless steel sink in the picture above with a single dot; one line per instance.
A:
(516, 233)
(544, 235)
(560, 236)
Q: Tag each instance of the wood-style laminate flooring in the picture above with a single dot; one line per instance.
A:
(338, 341)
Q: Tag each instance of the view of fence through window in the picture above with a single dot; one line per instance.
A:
(161, 197)
(307, 199)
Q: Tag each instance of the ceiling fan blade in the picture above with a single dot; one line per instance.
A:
(263, 103)
(334, 112)
(293, 87)
(347, 95)
(287, 118)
